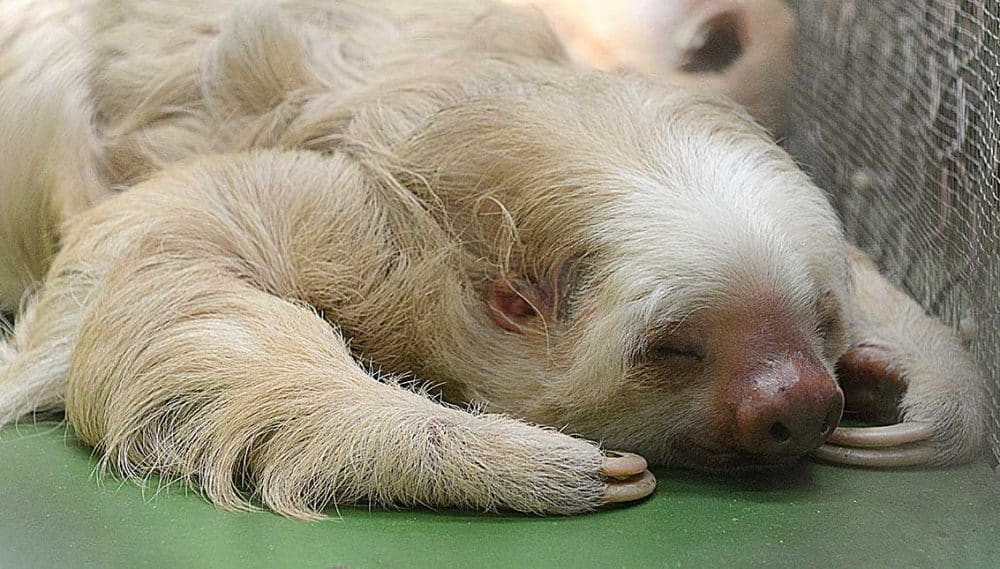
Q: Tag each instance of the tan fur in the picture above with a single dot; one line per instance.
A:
(50, 158)
(322, 193)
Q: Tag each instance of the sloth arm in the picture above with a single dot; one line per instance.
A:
(249, 394)
(185, 365)
(910, 372)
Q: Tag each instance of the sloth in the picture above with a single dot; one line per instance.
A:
(307, 253)
(744, 49)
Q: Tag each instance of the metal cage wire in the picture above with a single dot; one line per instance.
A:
(898, 117)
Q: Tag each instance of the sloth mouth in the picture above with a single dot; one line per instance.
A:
(723, 462)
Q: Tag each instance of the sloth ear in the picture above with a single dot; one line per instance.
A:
(258, 58)
(519, 303)
(714, 37)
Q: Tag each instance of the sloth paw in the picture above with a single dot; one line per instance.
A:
(874, 392)
(873, 387)
(629, 479)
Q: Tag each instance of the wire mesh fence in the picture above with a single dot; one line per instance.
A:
(898, 117)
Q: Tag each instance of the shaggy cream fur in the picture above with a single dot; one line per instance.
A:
(329, 205)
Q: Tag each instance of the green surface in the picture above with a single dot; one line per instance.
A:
(55, 513)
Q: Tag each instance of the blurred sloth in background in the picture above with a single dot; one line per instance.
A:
(744, 49)
(307, 252)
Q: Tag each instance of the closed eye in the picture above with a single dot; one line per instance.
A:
(667, 352)
(826, 328)
(828, 310)
(830, 327)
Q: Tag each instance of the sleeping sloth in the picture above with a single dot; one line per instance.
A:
(410, 255)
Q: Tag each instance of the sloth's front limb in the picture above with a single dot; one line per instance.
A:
(191, 373)
(910, 372)
(35, 356)
(33, 363)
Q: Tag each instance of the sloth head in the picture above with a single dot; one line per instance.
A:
(642, 266)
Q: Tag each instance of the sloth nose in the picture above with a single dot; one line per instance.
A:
(791, 409)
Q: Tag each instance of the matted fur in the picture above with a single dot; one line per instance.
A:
(320, 193)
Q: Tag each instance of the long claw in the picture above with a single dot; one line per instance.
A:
(914, 455)
(631, 489)
(882, 437)
(622, 465)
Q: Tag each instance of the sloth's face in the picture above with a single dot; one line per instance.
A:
(717, 355)
(727, 297)
(658, 275)
(741, 381)
(721, 360)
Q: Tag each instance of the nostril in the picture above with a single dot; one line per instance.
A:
(780, 432)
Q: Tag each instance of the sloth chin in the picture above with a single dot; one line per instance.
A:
(730, 463)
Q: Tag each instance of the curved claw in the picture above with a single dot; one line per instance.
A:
(913, 455)
(622, 465)
(882, 437)
(629, 490)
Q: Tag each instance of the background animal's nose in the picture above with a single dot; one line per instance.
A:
(792, 409)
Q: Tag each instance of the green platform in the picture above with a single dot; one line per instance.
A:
(55, 514)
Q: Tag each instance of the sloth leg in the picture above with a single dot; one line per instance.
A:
(910, 372)
(35, 357)
(32, 371)
(192, 373)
